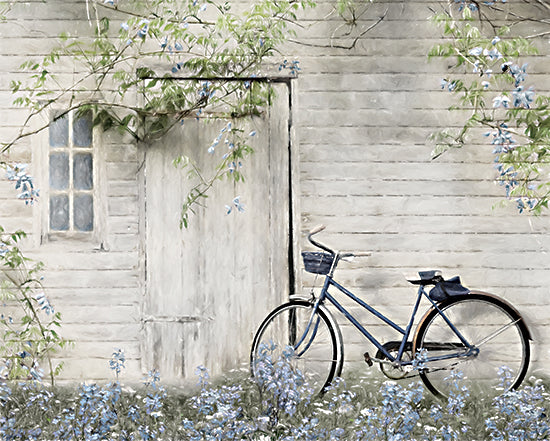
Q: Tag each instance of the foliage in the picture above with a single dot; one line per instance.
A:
(236, 409)
(151, 65)
(492, 85)
(5, 8)
(28, 324)
(351, 10)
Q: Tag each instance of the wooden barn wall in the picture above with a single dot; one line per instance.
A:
(361, 164)
(363, 117)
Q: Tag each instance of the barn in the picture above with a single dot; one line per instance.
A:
(344, 144)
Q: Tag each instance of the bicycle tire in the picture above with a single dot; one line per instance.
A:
(480, 318)
(323, 358)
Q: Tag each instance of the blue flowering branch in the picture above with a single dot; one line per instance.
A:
(232, 146)
(214, 54)
(17, 173)
(30, 336)
(499, 99)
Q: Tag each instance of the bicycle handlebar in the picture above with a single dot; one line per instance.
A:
(320, 228)
(316, 230)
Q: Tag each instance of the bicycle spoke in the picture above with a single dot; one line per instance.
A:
(496, 333)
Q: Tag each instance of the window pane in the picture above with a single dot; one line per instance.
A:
(82, 130)
(83, 212)
(59, 132)
(83, 178)
(59, 171)
(59, 213)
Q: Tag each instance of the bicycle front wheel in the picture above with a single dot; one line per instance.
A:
(315, 339)
(500, 337)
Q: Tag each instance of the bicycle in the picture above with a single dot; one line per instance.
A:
(463, 330)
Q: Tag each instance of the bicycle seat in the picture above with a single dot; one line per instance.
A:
(426, 278)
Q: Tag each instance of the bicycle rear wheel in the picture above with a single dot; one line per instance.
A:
(315, 339)
(493, 326)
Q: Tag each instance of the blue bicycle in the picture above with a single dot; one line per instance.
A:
(473, 332)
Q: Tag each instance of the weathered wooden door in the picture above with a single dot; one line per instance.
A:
(208, 287)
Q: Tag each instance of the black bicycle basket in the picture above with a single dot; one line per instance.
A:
(317, 262)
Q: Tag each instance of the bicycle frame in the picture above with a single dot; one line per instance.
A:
(326, 296)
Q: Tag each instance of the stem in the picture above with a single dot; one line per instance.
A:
(22, 289)
(40, 326)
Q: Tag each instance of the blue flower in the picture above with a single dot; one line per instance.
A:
(519, 73)
(117, 361)
(476, 51)
(237, 204)
(44, 303)
(501, 100)
(234, 166)
(206, 89)
(293, 66)
(523, 98)
(36, 373)
(3, 249)
(492, 54)
(144, 28)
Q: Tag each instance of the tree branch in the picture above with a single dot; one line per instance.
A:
(349, 47)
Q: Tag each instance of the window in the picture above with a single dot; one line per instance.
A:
(71, 173)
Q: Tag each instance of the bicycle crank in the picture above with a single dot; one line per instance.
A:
(394, 370)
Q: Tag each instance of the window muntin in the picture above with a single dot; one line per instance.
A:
(71, 173)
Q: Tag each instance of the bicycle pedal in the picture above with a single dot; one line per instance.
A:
(367, 358)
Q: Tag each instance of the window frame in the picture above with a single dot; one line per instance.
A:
(95, 237)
